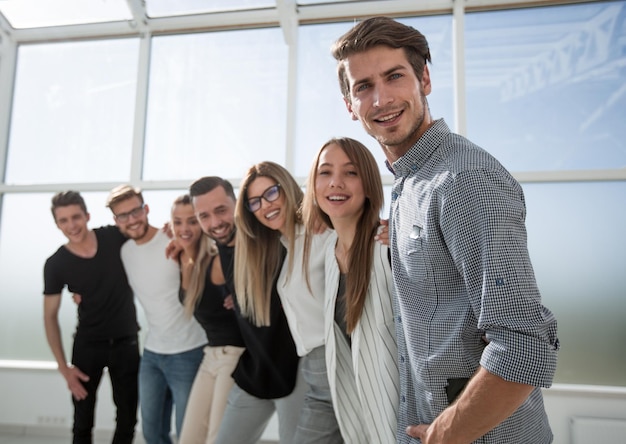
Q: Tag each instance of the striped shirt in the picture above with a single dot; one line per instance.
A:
(363, 376)
(462, 270)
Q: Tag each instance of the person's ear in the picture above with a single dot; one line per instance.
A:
(426, 85)
(349, 108)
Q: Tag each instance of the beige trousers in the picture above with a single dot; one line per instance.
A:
(209, 395)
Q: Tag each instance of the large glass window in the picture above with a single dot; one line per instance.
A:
(321, 112)
(545, 86)
(73, 112)
(36, 13)
(579, 261)
(22, 257)
(545, 92)
(217, 103)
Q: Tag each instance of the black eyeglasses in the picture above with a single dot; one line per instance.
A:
(135, 212)
(270, 195)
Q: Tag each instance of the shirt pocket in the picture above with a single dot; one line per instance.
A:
(416, 254)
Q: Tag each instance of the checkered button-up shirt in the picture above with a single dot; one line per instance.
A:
(462, 271)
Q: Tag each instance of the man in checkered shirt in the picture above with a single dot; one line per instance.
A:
(475, 343)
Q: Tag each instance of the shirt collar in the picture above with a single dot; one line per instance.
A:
(421, 151)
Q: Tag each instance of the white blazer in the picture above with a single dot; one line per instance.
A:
(364, 380)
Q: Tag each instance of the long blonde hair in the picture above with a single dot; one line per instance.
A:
(361, 250)
(258, 250)
(206, 250)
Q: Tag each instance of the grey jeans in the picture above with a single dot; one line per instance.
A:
(246, 416)
(317, 424)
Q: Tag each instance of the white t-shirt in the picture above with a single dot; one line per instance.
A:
(155, 281)
(304, 311)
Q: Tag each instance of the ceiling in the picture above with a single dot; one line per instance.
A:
(32, 20)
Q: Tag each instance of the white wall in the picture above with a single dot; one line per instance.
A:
(567, 403)
(34, 400)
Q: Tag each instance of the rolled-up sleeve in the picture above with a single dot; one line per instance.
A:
(483, 222)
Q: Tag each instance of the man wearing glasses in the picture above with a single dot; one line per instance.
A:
(174, 343)
(89, 265)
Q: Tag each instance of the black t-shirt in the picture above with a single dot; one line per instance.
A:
(219, 323)
(107, 309)
(269, 367)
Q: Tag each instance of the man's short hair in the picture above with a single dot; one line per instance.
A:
(122, 192)
(66, 198)
(209, 183)
(380, 31)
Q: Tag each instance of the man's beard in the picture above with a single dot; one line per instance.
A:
(137, 234)
(399, 143)
(230, 237)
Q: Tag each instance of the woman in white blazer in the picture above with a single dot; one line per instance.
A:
(345, 190)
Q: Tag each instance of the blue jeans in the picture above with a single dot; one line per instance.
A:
(318, 424)
(165, 380)
(121, 357)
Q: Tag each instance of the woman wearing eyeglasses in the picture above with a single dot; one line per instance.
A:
(344, 189)
(268, 221)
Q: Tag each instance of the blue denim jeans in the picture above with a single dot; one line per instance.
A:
(318, 424)
(121, 357)
(165, 380)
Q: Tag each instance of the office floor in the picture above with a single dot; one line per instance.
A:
(11, 437)
(30, 439)
(33, 439)
(41, 435)
(14, 439)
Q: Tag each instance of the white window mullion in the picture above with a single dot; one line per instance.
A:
(8, 57)
(141, 106)
(458, 64)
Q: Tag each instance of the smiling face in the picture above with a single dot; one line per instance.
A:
(338, 186)
(131, 217)
(215, 211)
(72, 221)
(270, 214)
(185, 225)
(388, 98)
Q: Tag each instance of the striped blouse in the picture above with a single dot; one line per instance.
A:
(364, 380)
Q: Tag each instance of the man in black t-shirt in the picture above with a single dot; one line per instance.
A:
(89, 264)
